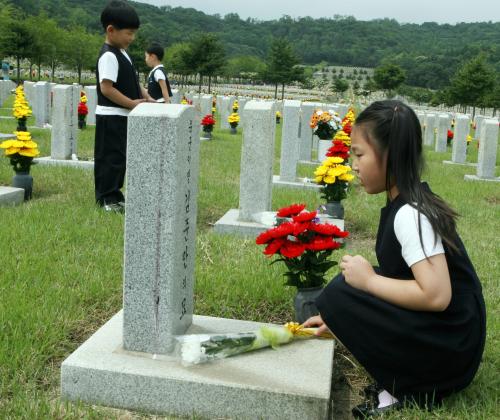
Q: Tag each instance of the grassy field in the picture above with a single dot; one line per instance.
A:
(61, 272)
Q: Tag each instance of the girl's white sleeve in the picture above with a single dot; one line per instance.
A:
(406, 230)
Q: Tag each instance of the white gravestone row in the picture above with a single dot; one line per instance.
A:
(127, 363)
(41, 104)
(459, 143)
(487, 156)
(91, 93)
(290, 149)
(6, 87)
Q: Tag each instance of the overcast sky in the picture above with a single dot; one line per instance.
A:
(412, 11)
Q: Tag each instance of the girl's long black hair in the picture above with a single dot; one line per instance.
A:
(393, 129)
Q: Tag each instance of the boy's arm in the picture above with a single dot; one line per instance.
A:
(114, 95)
(164, 90)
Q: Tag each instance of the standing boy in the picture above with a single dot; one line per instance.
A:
(118, 91)
(158, 84)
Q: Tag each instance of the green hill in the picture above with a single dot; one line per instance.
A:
(429, 52)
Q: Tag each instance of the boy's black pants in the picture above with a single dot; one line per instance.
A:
(110, 158)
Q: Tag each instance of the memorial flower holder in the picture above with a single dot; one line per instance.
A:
(325, 125)
(334, 175)
(21, 152)
(233, 121)
(82, 111)
(208, 123)
(278, 117)
(21, 110)
(304, 245)
(194, 349)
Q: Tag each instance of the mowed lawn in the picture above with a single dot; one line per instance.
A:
(61, 262)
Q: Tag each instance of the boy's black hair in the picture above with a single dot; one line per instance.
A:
(120, 14)
(157, 50)
(395, 131)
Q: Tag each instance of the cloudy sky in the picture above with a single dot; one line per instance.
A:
(413, 11)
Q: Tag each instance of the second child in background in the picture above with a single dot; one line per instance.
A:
(158, 84)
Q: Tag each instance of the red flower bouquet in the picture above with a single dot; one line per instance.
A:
(82, 109)
(208, 123)
(303, 244)
(339, 149)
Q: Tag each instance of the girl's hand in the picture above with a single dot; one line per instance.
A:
(357, 271)
(317, 321)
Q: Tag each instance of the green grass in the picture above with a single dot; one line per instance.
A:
(61, 271)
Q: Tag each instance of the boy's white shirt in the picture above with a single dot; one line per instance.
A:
(108, 69)
(406, 230)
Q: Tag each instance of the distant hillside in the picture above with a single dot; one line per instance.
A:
(429, 52)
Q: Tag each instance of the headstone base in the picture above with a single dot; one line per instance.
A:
(230, 224)
(84, 164)
(10, 196)
(478, 178)
(293, 382)
(300, 183)
(450, 162)
(309, 162)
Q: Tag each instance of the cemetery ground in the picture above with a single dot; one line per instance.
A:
(61, 273)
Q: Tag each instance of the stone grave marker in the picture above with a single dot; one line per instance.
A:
(41, 105)
(487, 156)
(127, 363)
(442, 134)
(91, 93)
(430, 125)
(459, 142)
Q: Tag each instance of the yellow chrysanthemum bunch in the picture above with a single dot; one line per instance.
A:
(83, 99)
(469, 138)
(335, 178)
(184, 102)
(350, 116)
(278, 114)
(234, 118)
(236, 106)
(343, 136)
(22, 145)
(21, 109)
(331, 169)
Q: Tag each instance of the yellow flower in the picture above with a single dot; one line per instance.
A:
(330, 161)
(233, 118)
(329, 179)
(346, 177)
(12, 151)
(7, 144)
(83, 99)
(29, 152)
(318, 179)
(336, 171)
(278, 114)
(321, 170)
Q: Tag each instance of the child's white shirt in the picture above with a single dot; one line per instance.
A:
(406, 230)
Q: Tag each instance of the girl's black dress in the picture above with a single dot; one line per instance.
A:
(412, 354)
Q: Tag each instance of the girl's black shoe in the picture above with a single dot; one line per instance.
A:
(368, 410)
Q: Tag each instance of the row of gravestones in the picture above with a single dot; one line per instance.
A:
(128, 362)
(434, 131)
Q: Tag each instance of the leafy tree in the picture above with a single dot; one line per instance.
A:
(472, 83)
(388, 77)
(81, 49)
(282, 66)
(16, 39)
(177, 59)
(207, 56)
(244, 66)
(340, 86)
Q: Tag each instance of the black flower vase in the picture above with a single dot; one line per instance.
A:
(23, 179)
(334, 209)
(305, 303)
(21, 124)
(81, 122)
(233, 130)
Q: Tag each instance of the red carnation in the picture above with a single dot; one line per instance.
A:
(322, 243)
(290, 211)
(339, 149)
(347, 128)
(305, 216)
(82, 109)
(450, 135)
(274, 246)
(328, 229)
(300, 228)
(207, 120)
(292, 249)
